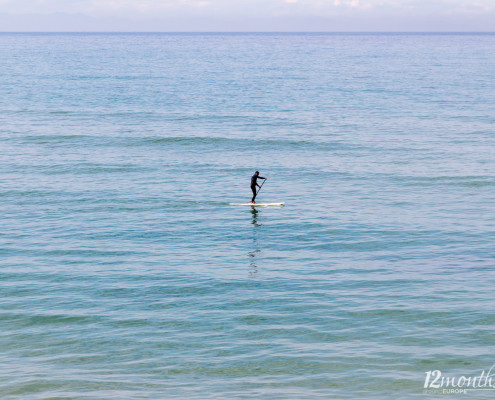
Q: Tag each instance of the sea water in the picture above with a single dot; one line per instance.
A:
(125, 273)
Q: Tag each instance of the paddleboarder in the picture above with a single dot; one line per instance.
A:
(254, 178)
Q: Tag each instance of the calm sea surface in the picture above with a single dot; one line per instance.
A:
(125, 273)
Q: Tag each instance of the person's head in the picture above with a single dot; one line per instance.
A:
(257, 173)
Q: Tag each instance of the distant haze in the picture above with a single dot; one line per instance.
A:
(247, 15)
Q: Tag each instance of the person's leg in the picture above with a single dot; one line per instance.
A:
(253, 188)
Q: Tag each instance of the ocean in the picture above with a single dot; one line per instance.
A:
(126, 273)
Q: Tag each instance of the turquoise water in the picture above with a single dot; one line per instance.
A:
(126, 273)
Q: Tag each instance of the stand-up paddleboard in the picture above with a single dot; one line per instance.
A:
(259, 204)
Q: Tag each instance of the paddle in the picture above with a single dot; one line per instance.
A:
(260, 187)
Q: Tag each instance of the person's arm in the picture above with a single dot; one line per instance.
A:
(260, 177)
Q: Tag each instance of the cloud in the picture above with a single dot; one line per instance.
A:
(252, 14)
(234, 7)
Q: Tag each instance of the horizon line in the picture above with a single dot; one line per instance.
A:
(255, 32)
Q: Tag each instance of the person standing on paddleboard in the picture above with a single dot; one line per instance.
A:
(254, 178)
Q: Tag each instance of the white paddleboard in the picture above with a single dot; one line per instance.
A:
(259, 204)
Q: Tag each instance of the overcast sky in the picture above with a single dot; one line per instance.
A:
(247, 15)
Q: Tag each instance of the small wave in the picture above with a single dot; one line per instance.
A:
(50, 139)
(93, 169)
(208, 140)
(469, 181)
(60, 112)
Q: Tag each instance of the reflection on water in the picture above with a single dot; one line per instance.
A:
(253, 254)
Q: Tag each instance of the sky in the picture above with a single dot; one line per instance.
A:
(247, 15)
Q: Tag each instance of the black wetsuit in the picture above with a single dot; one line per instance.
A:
(253, 185)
